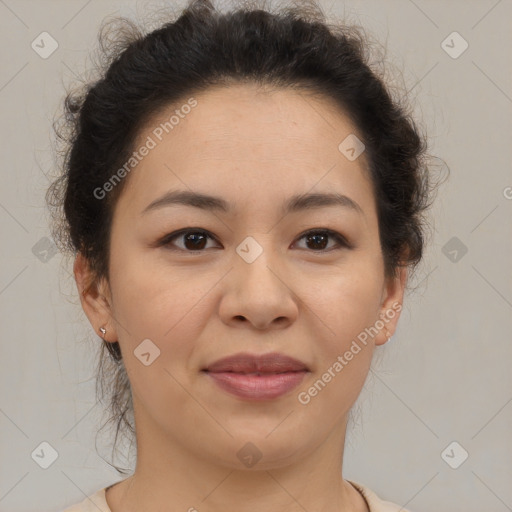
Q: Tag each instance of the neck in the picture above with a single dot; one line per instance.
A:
(169, 476)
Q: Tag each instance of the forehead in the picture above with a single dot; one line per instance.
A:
(245, 140)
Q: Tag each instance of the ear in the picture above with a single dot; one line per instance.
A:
(95, 298)
(391, 306)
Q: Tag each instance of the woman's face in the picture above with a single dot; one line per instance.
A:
(253, 283)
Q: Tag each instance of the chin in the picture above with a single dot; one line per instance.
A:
(260, 450)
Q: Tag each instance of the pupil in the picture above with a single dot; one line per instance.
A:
(315, 240)
(193, 237)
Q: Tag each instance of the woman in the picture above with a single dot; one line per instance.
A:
(244, 201)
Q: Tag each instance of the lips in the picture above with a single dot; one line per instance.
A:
(257, 364)
(263, 377)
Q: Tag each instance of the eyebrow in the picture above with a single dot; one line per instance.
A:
(298, 202)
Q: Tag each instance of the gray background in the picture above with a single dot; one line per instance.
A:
(444, 377)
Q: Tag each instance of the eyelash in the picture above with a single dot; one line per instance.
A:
(340, 239)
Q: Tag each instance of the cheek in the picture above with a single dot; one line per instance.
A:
(166, 309)
(346, 301)
(158, 303)
(344, 312)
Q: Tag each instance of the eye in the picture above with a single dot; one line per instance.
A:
(318, 239)
(195, 239)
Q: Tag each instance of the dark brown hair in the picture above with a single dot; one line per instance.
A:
(142, 73)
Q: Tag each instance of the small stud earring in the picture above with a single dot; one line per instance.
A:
(103, 330)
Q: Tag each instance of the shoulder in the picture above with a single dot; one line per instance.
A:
(375, 504)
(93, 503)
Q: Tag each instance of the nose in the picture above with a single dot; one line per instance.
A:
(259, 294)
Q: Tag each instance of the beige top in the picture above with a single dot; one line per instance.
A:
(97, 502)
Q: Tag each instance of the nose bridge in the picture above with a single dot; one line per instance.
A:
(257, 266)
(255, 254)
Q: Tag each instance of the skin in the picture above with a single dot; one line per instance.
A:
(254, 148)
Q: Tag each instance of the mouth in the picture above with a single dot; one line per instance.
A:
(258, 364)
(263, 377)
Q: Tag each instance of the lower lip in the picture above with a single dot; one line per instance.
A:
(257, 387)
